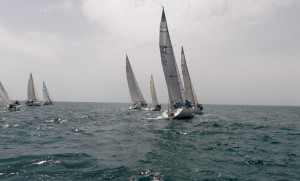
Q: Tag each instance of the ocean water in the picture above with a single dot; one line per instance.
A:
(103, 141)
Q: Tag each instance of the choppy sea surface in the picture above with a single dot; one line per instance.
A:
(106, 141)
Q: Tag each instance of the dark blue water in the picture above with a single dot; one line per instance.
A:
(99, 141)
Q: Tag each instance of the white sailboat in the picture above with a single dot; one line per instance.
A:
(32, 95)
(134, 89)
(47, 98)
(172, 76)
(6, 101)
(156, 105)
(188, 87)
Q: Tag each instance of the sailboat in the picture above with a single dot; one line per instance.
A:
(6, 101)
(188, 87)
(32, 95)
(134, 89)
(47, 98)
(156, 105)
(175, 89)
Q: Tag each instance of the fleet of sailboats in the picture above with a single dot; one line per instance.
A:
(182, 102)
(135, 92)
(32, 94)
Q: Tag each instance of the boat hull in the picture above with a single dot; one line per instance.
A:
(197, 111)
(33, 103)
(48, 103)
(157, 108)
(179, 113)
(16, 108)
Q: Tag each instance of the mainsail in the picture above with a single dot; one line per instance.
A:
(31, 91)
(172, 76)
(153, 93)
(4, 97)
(189, 90)
(46, 94)
(134, 89)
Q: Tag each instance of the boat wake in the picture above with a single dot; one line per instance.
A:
(157, 118)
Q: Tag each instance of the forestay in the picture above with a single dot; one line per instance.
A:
(4, 97)
(46, 94)
(172, 76)
(31, 91)
(153, 92)
(134, 89)
(188, 87)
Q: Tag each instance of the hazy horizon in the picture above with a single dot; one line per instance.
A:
(238, 52)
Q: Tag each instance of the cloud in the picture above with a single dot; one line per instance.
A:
(35, 44)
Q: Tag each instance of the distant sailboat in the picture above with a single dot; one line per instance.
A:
(47, 98)
(6, 100)
(172, 76)
(134, 89)
(32, 95)
(156, 105)
(188, 87)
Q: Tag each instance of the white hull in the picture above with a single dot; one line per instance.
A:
(179, 113)
(197, 110)
(33, 103)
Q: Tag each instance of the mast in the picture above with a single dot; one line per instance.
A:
(134, 89)
(172, 76)
(189, 90)
(153, 92)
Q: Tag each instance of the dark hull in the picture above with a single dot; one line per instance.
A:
(48, 103)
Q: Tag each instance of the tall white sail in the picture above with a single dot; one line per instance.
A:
(4, 97)
(153, 92)
(46, 94)
(134, 89)
(172, 76)
(31, 90)
(188, 87)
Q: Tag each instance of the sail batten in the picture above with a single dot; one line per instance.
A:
(4, 96)
(172, 76)
(134, 89)
(189, 90)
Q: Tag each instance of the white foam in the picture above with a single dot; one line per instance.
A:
(5, 126)
(40, 163)
(63, 121)
(157, 118)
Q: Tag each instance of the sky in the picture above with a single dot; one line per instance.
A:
(238, 52)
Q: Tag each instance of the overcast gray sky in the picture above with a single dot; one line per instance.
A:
(238, 52)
